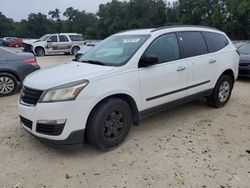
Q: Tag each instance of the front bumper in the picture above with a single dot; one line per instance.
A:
(28, 48)
(71, 134)
(244, 71)
(74, 141)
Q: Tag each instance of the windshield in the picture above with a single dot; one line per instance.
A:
(245, 49)
(44, 38)
(115, 50)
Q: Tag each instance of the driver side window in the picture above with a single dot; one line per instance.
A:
(53, 38)
(165, 48)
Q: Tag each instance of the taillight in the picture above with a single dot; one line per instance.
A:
(238, 52)
(30, 61)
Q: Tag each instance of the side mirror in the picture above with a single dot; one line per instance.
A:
(148, 60)
(49, 40)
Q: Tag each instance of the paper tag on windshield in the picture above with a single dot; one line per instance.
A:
(131, 40)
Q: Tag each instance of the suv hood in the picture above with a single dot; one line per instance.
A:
(30, 41)
(65, 73)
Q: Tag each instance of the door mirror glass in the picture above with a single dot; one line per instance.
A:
(148, 60)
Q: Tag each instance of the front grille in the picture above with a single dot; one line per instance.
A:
(30, 96)
(26, 122)
(52, 130)
(27, 47)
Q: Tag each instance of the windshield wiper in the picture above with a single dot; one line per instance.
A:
(94, 62)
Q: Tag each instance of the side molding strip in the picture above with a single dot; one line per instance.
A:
(176, 91)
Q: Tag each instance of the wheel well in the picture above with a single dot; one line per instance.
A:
(12, 73)
(126, 98)
(75, 46)
(230, 73)
(39, 47)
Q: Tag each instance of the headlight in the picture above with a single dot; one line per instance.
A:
(66, 92)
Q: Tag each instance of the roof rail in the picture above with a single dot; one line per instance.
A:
(123, 31)
(174, 26)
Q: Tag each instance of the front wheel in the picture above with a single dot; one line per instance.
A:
(8, 84)
(222, 92)
(109, 124)
(39, 51)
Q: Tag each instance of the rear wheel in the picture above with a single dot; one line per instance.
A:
(222, 92)
(109, 124)
(75, 49)
(39, 51)
(8, 84)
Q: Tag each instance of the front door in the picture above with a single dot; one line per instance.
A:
(166, 81)
(52, 44)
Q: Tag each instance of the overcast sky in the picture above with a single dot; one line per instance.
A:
(19, 9)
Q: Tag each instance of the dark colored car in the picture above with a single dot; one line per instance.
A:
(15, 42)
(6, 41)
(244, 68)
(1, 42)
(14, 67)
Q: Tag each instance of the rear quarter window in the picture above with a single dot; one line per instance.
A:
(193, 43)
(76, 37)
(215, 41)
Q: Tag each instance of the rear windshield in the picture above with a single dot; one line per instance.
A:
(76, 37)
(5, 52)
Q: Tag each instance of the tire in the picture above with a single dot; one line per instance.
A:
(39, 51)
(222, 92)
(8, 84)
(75, 49)
(109, 124)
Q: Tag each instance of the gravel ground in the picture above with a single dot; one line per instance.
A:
(190, 146)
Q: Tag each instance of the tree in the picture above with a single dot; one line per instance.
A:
(38, 24)
(6, 26)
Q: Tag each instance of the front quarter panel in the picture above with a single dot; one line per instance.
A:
(118, 83)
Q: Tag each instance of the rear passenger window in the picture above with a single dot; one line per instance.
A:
(63, 38)
(166, 48)
(215, 41)
(193, 43)
(76, 37)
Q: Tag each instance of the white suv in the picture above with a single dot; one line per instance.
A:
(55, 43)
(127, 77)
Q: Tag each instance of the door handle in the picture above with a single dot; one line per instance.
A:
(212, 61)
(181, 69)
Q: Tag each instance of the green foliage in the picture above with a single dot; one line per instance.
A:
(231, 16)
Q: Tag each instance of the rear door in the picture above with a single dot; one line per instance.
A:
(167, 80)
(217, 56)
(195, 51)
(64, 44)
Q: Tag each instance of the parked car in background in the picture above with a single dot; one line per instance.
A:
(127, 77)
(55, 43)
(15, 42)
(244, 67)
(85, 48)
(14, 67)
(1, 42)
(6, 41)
